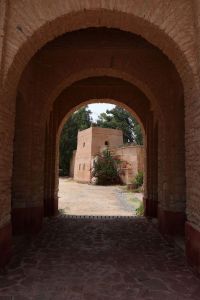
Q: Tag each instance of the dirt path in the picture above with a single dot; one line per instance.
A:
(85, 199)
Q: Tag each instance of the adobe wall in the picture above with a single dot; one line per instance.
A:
(82, 166)
(91, 142)
(72, 164)
(134, 156)
(100, 136)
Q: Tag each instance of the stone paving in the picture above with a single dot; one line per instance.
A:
(86, 199)
(98, 259)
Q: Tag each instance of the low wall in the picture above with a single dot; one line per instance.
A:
(132, 158)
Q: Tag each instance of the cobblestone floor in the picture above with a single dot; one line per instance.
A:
(88, 259)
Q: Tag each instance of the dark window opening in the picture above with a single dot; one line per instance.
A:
(106, 143)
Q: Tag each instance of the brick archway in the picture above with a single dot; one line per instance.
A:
(153, 31)
(99, 101)
(59, 116)
(52, 97)
(62, 106)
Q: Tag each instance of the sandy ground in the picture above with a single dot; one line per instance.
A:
(85, 199)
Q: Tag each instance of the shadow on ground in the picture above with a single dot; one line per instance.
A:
(87, 259)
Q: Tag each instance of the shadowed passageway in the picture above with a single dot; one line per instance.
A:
(99, 259)
(55, 57)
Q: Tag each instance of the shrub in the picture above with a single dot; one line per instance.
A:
(140, 210)
(106, 169)
(138, 180)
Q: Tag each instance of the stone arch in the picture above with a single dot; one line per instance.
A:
(106, 71)
(52, 202)
(160, 37)
(121, 19)
(110, 72)
(91, 101)
(131, 18)
(104, 100)
(86, 102)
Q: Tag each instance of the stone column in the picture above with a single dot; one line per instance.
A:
(147, 198)
(6, 137)
(151, 184)
(51, 199)
(27, 183)
(171, 176)
(155, 170)
(192, 226)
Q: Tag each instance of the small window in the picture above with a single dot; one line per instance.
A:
(83, 166)
(84, 144)
(106, 143)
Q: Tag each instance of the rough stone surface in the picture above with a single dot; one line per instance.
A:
(87, 259)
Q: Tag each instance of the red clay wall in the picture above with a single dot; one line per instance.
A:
(114, 138)
(90, 142)
(72, 163)
(83, 156)
(134, 157)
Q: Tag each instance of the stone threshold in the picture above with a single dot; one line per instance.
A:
(89, 217)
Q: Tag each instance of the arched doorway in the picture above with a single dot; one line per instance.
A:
(161, 111)
(115, 137)
(154, 108)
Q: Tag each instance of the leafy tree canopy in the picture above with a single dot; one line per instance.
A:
(119, 118)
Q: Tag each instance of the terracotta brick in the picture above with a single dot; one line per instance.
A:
(156, 78)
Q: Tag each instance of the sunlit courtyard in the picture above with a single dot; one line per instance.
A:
(95, 200)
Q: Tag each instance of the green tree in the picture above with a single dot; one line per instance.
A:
(119, 118)
(106, 169)
(79, 120)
